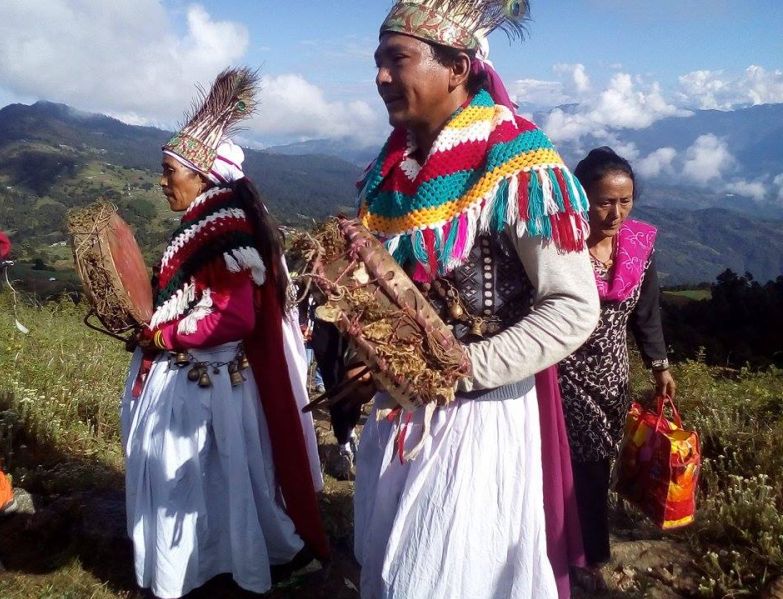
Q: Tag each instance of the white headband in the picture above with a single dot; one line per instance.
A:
(227, 167)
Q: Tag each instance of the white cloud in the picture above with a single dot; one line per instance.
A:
(538, 92)
(120, 57)
(656, 163)
(626, 103)
(291, 106)
(571, 85)
(717, 90)
(128, 59)
(576, 80)
(706, 160)
(749, 189)
(778, 182)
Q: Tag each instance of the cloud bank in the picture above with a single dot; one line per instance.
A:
(140, 62)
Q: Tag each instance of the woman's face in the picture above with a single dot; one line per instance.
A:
(181, 185)
(412, 84)
(611, 200)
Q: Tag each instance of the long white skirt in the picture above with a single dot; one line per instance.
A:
(466, 517)
(200, 482)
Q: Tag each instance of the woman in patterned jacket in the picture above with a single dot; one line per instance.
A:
(594, 379)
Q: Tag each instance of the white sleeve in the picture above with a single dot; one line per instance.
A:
(565, 311)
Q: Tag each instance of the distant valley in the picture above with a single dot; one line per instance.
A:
(53, 158)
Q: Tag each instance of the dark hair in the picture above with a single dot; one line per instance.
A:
(600, 162)
(269, 240)
(448, 56)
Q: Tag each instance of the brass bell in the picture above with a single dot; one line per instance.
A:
(477, 329)
(182, 358)
(203, 379)
(456, 311)
(234, 375)
(244, 364)
(193, 374)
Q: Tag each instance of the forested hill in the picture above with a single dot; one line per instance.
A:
(52, 152)
(695, 246)
(53, 158)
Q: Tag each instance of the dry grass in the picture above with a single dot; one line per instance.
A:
(59, 396)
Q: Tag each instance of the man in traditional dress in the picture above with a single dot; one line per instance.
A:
(478, 206)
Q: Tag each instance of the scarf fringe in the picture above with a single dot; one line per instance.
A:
(246, 258)
(544, 201)
(189, 324)
(175, 306)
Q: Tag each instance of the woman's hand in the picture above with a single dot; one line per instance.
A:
(664, 383)
(142, 338)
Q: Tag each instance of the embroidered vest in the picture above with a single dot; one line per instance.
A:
(486, 294)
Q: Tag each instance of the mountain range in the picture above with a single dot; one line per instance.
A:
(53, 158)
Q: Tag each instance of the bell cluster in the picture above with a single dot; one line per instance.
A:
(199, 371)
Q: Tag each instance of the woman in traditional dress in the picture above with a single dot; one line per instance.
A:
(222, 470)
(6, 490)
(594, 379)
(477, 205)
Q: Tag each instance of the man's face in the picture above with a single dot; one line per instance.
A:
(412, 84)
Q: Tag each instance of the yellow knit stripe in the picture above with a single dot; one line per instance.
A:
(472, 115)
(423, 217)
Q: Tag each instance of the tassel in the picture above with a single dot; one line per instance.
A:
(189, 324)
(568, 206)
(535, 205)
(486, 210)
(512, 204)
(462, 235)
(392, 244)
(556, 193)
(429, 411)
(550, 206)
(432, 261)
(450, 233)
(500, 207)
(418, 248)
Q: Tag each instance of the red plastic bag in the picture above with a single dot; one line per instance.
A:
(658, 466)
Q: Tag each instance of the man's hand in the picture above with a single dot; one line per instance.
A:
(363, 389)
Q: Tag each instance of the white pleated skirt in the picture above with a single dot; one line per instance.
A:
(200, 481)
(465, 519)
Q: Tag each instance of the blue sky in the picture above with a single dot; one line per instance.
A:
(625, 63)
(661, 40)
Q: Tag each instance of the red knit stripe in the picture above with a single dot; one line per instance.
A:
(199, 211)
(466, 156)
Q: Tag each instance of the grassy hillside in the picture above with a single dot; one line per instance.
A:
(60, 396)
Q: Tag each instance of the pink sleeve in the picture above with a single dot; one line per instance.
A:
(232, 318)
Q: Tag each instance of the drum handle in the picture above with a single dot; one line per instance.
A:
(337, 393)
(100, 329)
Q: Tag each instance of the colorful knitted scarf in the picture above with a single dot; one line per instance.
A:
(214, 235)
(635, 241)
(487, 169)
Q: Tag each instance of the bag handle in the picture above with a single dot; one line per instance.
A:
(663, 401)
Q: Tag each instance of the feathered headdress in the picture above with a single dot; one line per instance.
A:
(457, 23)
(215, 116)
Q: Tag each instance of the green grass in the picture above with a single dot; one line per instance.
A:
(63, 382)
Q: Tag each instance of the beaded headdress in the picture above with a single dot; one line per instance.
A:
(214, 117)
(457, 23)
